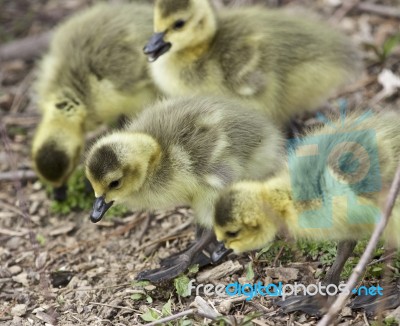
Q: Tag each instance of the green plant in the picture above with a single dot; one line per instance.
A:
(324, 251)
(80, 198)
(277, 248)
(152, 314)
(181, 283)
(386, 49)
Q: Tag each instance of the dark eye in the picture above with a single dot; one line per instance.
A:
(179, 24)
(114, 184)
(231, 234)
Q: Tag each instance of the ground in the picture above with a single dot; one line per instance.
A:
(59, 268)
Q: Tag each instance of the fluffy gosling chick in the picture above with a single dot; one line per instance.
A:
(182, 151)
(350, 168)
(281, 63)
(94, 72)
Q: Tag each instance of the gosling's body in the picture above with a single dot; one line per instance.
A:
(184, 151)
(280, 63)
(95, 71)
(250, 214)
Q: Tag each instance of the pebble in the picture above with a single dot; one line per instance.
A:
(19, 310)
(14, 270)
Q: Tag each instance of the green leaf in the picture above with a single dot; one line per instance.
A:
(149, 299)
(249, 272)
(140, 284)
(41, 239)
(263, 250)
(136, 296)
(390, 44)
(150, 315)
(166, 309)
(181, 284)
(193, 269)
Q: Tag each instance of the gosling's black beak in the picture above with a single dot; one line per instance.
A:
(156, 46)
(220, 252)
(99, 209)
(60, 193)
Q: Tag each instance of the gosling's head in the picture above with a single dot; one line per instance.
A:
(180, 25)
(56, 151)
(242, 220)
(117, 166)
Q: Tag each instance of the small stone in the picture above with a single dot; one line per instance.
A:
(14, 243)
(150, 287)
(33, 208)
(346, 312)
(21, 278)
(225, 306)
(14, 270)
(79, 309)
(283, 274)
(41, 260)
(19, 310)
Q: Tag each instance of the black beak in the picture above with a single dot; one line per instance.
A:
(156, 46)
(220, 252)
(60, 193)
(99, 209)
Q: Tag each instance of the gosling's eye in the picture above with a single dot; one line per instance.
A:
(231, 234)
(179, 24)
(114, 184)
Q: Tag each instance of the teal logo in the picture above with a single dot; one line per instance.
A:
(341, 164)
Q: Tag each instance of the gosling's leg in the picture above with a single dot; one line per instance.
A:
(318, 304)
(213, 253)
(60, 193)
(177, 264)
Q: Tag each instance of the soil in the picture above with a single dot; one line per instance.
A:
(62, 269)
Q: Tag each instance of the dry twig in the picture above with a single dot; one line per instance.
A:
(340, 301)
(379, 9)
(162, 321)
(18, 175)
(26, 48)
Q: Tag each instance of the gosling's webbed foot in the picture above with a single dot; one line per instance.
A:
(165, 273)
(315, 305)
(376, 303)
(198, 253)
(201, 259)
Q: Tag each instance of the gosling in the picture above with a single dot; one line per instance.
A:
(333, 187)
(280, 63)
(95, 71)
(182, 151)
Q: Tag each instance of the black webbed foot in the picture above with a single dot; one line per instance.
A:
(165, 273)
(198, 253)
(313, 305)
(376, 303)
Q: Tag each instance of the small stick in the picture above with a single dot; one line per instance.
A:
(13, 233)
(340, 301)
(112, 306)
(105, 288)
(379, 10)
(26, 48)
(18, 175)
(173, 317)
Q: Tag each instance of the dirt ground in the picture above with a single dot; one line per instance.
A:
(62, 269)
